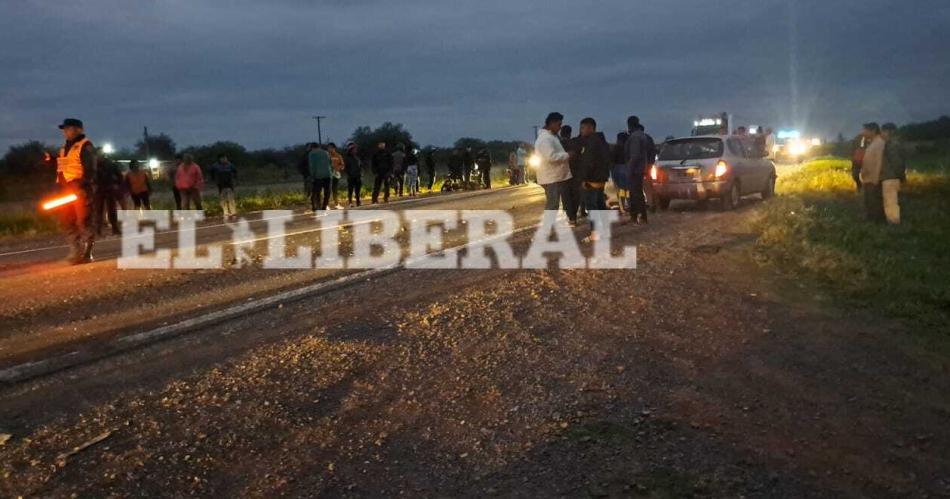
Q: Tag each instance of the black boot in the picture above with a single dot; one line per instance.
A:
(86, 256)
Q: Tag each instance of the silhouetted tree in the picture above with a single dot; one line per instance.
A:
(160, 146)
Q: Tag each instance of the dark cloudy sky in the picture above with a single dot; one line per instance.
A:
(256, 71)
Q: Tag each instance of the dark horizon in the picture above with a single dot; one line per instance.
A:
(256, 74)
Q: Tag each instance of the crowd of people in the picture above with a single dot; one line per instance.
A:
(574, 170)
(878, 167)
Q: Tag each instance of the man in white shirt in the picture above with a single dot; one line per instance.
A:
(553, 172)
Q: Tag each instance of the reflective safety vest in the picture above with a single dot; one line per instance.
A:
(69, 164)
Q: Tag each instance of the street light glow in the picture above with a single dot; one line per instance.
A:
(107, 148)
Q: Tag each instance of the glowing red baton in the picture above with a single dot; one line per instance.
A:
(60, 201)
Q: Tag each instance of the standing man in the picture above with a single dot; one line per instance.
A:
(893, 174)
(650, 160)
(170, 171)
(399, 169)
(635, 154)
(321, 171)
(336, 160)
(871, 168)
(382, 169)
(76, 174)
(572, 197)
(553, 170)
(108, 195)
(594, 168)
(429, 163)
(467, 163)
(139, 185)
(354, 174)
(484, 166)
(190, 182)
(224, 175)
(859, 144)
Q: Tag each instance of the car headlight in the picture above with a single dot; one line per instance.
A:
(798, 148)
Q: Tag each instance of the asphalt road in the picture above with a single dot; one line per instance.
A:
(696, 374)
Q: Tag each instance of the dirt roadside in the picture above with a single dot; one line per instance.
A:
(690, 376)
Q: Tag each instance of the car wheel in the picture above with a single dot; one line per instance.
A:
(731, 199)
(664, 203)
(769, 188)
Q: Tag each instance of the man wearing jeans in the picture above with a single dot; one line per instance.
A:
(893, 173)
(871, 168)
(553, 170)
(224, 175)
(594, 170)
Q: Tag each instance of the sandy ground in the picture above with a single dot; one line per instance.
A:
(697, 374)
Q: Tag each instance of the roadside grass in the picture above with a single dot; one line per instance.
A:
(816, 229)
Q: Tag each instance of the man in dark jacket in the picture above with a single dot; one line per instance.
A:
(108, 194)
(224, 174)
(635, 153)
(429, 163)
(354, 174)
(893, 173)
(593, 169)
(76, 174)
(382, 164)
(572, 192)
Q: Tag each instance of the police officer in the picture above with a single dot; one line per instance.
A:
(76, 174)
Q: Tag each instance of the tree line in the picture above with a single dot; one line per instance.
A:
(25, 161)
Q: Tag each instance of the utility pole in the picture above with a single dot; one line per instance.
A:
(319, 131)
(535, 131)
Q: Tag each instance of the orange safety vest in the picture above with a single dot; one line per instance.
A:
(69, 164)
(137, 182)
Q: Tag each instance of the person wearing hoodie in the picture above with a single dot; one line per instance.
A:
(320, 169)
(382, 165)
(553, 171)
(593, 168)
(354, 174)
(635, 154)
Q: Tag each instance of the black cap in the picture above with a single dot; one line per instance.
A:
(71, 122)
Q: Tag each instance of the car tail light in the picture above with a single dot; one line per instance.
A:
(653, 173)
(722, 168)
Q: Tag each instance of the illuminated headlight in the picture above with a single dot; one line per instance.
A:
(107, 148)
(534, 161)
(153, 164)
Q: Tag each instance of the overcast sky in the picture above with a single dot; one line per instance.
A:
(256, 71)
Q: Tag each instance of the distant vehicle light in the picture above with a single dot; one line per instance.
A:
(722, 168)
(153, 164)
(797, 148)
(534, 161)
(60, 201)
(107, 148)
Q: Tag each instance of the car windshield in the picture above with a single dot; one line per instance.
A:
(678, 150)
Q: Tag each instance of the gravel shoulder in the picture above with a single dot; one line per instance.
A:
(697, 374)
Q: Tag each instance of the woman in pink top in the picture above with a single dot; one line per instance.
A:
(189, 181)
